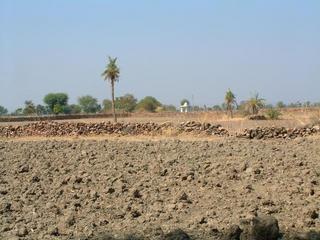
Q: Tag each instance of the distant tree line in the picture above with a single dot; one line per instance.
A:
(58, 103)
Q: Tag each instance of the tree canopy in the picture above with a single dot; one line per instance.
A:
(56, 102)
(148, 104)
(112, 71)
(126, 102)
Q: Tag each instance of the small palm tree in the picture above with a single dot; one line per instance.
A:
(111, 73)
(254, 104)
(230, 101)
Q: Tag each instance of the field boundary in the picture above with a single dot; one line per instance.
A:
(60, 117)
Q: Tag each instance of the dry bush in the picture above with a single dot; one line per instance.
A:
(273, 114)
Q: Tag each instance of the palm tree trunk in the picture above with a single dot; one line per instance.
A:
(113, 105)
(229, 109)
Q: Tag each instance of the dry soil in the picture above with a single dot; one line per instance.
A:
(73, 189)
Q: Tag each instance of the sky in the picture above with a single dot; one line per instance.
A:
(167, 49)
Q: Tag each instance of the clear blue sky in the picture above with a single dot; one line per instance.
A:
(167, 49)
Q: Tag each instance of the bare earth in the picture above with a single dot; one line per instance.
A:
(77, 189)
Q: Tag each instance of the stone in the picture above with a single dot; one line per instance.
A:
(22, 231)
(312, 235)
(262, 227)
(177, 234)
(232, 233)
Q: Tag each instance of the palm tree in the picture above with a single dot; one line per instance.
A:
(254, 104)
(111, 73)
(230, 101)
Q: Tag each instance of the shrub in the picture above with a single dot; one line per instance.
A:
(280, 104)
(273, 114)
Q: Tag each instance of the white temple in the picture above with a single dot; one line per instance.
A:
(185, 107)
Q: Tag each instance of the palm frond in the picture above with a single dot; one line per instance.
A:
(112, 71)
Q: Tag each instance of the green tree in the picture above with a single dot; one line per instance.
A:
(41, 110)
(107, 105)
(280, 104)
(112, 73)
(254, 104)
(29, 108)
(56, 100)
(89, 104)
(148, 104)
(127, 103)
(74, 109)
(230, 101)
(3, 111)
(57, 109)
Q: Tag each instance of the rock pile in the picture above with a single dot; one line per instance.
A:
(206, 128)
(279, 132)
(264, 227)
(57, 129)
(51, 128)
(257, 117)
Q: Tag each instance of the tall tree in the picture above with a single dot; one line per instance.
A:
(230, 101)
(112, 73)
(29, 108)
(254, 104)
